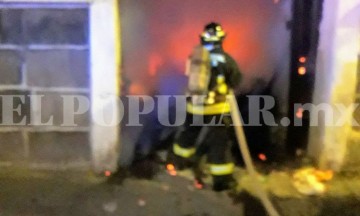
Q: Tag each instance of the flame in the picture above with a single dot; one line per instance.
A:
(326, 175)
(311, 181)
(150, 44)
(107, 173)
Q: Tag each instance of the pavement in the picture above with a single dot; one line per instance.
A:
(54, 193)
(36, 192)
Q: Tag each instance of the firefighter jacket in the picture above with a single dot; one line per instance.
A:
(225, 75)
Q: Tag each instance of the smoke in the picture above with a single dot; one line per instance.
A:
(158, 35)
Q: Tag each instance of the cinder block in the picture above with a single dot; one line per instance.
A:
(11, 146)
(24, 106)
(56, 26)
(58, 68)
(10, 67)
(53, 105)
(11, 26)
(57, 147)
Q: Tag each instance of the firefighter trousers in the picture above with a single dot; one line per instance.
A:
(216, 145)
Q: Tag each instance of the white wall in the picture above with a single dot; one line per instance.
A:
(336, 78)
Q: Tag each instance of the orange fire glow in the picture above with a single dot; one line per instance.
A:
(171, 169)
(262, 157)
(324, 175)
(152, 46)
(137, 89)
(299, 113)
(302, 59)
(302, 70)
(198, 185)
(155, 61)
(107, 173)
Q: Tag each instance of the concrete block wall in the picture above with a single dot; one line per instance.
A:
(44, 50)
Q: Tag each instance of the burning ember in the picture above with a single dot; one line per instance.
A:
(198, 185)
(302, 59)
(302, 70)
(171, 169)
(262, 157)
(299, 113)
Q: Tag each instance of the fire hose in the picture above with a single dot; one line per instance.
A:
(240, 135)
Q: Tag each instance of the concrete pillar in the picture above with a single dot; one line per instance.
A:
(338, 51)
(105, 83)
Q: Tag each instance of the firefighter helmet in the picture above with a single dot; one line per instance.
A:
(213, 34)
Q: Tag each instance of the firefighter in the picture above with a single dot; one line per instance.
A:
(213, 111)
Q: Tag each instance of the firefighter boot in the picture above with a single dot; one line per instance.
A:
(221, 183)
(178, 162)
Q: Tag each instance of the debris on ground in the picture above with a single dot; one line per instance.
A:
(141, 202)
(110, 206)
(165, 187)
(310, 181)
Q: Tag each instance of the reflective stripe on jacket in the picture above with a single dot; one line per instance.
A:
(213, 109)
(183, 152)
(222, 169)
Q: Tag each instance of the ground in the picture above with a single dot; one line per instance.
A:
(43, 193)
(27, 192)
